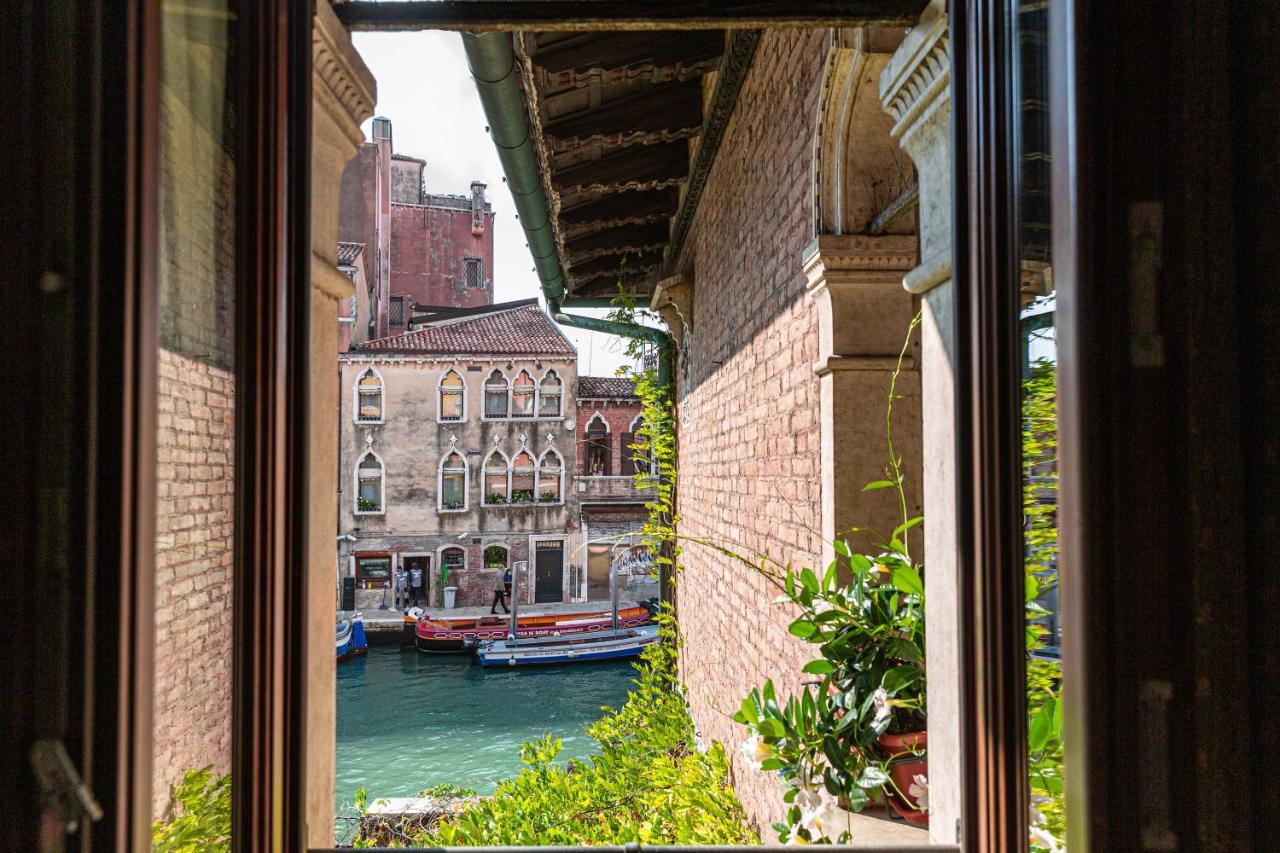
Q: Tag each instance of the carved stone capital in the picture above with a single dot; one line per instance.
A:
(917, 81)
(673, 300)
(863, 312)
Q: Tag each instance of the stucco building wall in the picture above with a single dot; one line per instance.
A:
(411, 444)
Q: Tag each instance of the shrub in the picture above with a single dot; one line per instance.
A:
(648, 783)
(199, 816)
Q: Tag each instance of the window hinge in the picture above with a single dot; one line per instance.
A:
(64, 796)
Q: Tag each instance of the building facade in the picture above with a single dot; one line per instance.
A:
(460, 455)
(421, 249)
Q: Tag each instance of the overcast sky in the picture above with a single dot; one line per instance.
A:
(426, 91)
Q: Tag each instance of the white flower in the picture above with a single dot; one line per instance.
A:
(1041, 838)
(821, 605)
(1037, 817)
(826, 820)
(919, 790)
(755, 750)
(795, 839)
(881, 700)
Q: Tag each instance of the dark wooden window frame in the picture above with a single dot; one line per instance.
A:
(272, 373)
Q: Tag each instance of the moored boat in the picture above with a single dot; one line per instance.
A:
(351, 639)
(582, 648)
(444, 636)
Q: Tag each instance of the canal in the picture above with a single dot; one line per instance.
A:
(408, 721)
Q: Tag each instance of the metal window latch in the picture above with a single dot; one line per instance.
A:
(63, 794)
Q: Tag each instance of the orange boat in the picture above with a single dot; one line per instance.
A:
(445, 636)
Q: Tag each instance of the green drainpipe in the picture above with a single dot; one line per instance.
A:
(493, 65)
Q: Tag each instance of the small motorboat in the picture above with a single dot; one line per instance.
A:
(580, 648)
(444, 636)
(351, 638)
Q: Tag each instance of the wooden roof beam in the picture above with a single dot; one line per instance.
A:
(626, 238)
(668, 107)
(610, 51)
(635, 165)
(624, 206)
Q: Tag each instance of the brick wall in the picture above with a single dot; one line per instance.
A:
(194, 532)
(619, 415)
(749, 431)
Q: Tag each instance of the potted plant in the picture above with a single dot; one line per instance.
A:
(522, 496)
(548, 497)
(452, 505)
(366, 505)
(495, 499)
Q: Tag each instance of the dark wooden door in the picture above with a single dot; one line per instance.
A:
(548, 572)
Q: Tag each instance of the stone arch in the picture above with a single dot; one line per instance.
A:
(859, 171)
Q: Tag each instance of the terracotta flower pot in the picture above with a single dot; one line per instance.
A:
(903, 770)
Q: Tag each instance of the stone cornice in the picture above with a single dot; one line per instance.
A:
(917, 80)
(858, 257)
(340, 78)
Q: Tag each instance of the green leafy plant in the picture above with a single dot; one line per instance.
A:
(548, 497)
(446, 789)
(451, 505)
(647, 782)
(1040, 537)
(522, 496)
(199, 815)
(495, 498)
(366, 505)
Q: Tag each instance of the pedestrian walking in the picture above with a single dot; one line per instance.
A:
(402, 589)
(501, 592)
(415, 582)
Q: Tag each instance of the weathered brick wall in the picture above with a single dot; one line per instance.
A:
(194, 532)
(749, 430)
(619, 415)
(428, 245)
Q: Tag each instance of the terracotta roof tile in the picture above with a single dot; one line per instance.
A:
(522, 330)
(348, 252)
(606, 387)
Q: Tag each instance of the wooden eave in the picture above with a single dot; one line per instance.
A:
(621, 121)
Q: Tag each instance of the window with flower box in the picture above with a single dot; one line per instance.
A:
(453, 482)
(497, 479)
(522, 478)
(370, 476)
(550, 477)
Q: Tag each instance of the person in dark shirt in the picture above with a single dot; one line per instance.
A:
(501, 593)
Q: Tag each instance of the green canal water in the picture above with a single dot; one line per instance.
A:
(407, 721)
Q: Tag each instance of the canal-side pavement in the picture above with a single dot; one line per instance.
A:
(391, 621)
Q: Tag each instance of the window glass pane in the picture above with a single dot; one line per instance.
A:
(495, 404)
(495, 484)
(550, 404)
(1038, 301)
(451, 380)
(450, 406)
(195, 394)
(452, 490)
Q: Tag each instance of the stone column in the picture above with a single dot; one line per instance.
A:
(342, 98)
(915, 88)
(863, 315)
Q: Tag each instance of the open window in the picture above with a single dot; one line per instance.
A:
(497, 479)
(596, 456)
(550, 484)
(523, 392)
(453, 483)
(550, 395)
(370, 397)
(496, 395)
(370, 483)
(453, 397)
(496, 556)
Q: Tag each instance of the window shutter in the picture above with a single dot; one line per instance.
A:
(628, 454)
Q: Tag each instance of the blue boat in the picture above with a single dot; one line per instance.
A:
(351, 638)
(579, 648)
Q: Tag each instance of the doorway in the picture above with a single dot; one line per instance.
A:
(548, 581)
